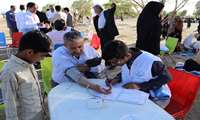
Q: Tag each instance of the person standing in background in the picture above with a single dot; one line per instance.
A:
(10, 18)
(50, 13)
(59, 14)
(31, 20)
(177, 33)
(189, 22)
(42, 16)
(20, 17)
(104, 23)
(198, 30)
(149, 28)
(69, 17)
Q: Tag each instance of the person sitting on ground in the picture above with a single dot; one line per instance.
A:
(76, 61)
(192, 64)
(190, 44)
(177, 33)
(57, 34)
(140, 70)
(20, 85)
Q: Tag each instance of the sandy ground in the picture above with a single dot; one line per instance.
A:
(127, 30)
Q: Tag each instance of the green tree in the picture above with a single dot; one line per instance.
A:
(197, 9)
(44, 8)
(124, 8)
(178, 4)
(81, 8)
(182, 13)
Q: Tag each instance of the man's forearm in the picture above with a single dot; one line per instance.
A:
(78, 77)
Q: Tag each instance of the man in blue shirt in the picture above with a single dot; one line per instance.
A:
(10, 18)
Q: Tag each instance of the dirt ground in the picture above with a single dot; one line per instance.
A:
(127, 30)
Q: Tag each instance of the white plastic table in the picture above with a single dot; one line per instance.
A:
(69, 101)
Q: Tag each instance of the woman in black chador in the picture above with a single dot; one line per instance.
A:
(149, 28)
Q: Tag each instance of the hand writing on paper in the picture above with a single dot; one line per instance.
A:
(110, 82)
(102, 89)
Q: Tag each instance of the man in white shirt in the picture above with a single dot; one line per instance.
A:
(51, 12)
(59, 14)
(71, 63)
(19, 17)
(31, 20)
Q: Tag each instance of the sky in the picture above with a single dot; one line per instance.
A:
(5, 4)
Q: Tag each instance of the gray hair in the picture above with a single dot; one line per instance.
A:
(72, 36)
(98, 6)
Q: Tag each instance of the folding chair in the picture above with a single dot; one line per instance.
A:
(57, 46)
(82, 34)
(3, 44)
(184, 88)
(2, 40)
(46, 70)
(16, 38)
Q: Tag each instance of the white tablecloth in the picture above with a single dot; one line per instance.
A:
(69, 101)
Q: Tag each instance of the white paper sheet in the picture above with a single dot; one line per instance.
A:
(131, 96)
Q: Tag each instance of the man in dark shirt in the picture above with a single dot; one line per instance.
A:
(140, 70)
(10, 18)
(69, 21)
(104, 23)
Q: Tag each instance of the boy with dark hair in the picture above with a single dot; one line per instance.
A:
(140, 70)
(59, 24)
(57, 34)
(20, 85)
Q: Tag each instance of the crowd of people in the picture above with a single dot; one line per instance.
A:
(75, 61)
(33, 19)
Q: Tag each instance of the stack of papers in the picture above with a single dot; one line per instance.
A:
(131, 96)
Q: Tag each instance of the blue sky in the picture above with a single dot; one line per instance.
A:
(4, 6)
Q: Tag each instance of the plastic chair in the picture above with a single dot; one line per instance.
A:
(16, 38)
(95, 42)
(2, 40)
(82, 34)
(171, 43)
(184, 88)
(46, 70)
(57, 46)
